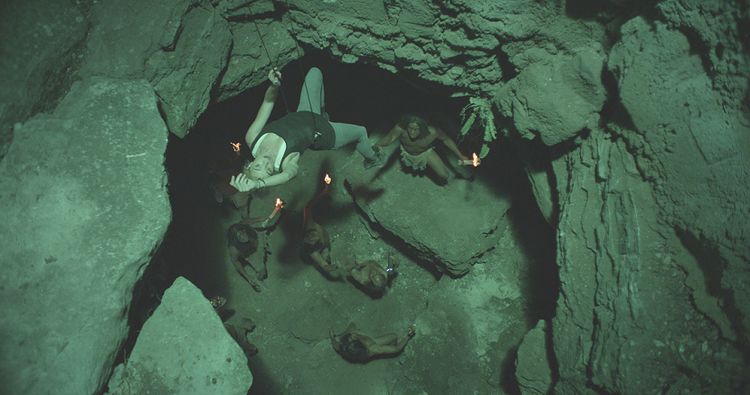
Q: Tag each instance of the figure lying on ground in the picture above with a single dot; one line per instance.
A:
(417, 139)
(276, 146)
(316, 244)
(355, 346)
(372, 277)
(316, 247)
(243, 242)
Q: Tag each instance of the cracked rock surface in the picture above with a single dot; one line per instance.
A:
(183, 349)
(84, 205)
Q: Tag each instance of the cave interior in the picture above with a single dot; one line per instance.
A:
(296, 304)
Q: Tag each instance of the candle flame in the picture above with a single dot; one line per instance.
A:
(235, 147)
(327, 179)
(474, 159)
(279, 203)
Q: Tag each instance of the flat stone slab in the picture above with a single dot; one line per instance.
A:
(183, 349)
(448, 226)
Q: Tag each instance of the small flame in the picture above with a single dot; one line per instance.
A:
(279, 203)
(474, 159)
(327, 179)
(235, 147)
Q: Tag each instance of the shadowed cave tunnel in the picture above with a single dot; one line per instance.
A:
(195, 245)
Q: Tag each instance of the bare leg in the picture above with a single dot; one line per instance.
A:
(390, 349)
(312, 96)
(347, 133)
(390, 338)
(436, 164)
(241, 270)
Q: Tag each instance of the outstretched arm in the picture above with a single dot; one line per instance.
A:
(448, 142)
(244, 184)
(389, 138)
(329, 268)
(291, 168)
(264, 112)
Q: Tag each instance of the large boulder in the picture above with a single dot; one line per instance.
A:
(249, 63)
(182, 49)
(84, 204)
(693, 148)
(556, 99)
(463, 221)
(533, 370)
(633, 303)
(186, 76)
(183, 348)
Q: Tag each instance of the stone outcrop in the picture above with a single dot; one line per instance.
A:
(183, 348)
(249, 64)
(185, 77)
(624, 311)
(462, 44)
(556, 99)
(84, 204)
(181, 48)
(533, 370)
(462, 224)
(695, 154)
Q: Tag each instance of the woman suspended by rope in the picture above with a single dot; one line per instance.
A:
(276, 146)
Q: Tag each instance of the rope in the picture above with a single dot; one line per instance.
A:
(296, 49)
(270, 60)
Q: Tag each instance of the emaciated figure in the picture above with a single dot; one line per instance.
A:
(316, 246)
(372, 277)
(243, 242)
(356, 346)
(417, 138)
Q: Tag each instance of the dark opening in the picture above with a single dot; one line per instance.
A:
(358, 94)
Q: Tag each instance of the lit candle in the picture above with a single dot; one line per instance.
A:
(474, 161)
(235, 147)
(327, 179)
(276, 209)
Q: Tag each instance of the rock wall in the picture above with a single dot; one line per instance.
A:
(84, 205)
(39, 49)
(626, 322)
(83, 185)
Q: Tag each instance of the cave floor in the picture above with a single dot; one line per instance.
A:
(466, 329)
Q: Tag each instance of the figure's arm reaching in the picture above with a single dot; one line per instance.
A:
(329, 268)
(448, 142)
(264, 112)
(389, 138)
(291, 168)
(245, 184)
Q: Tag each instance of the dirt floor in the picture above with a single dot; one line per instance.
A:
(466, 328)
